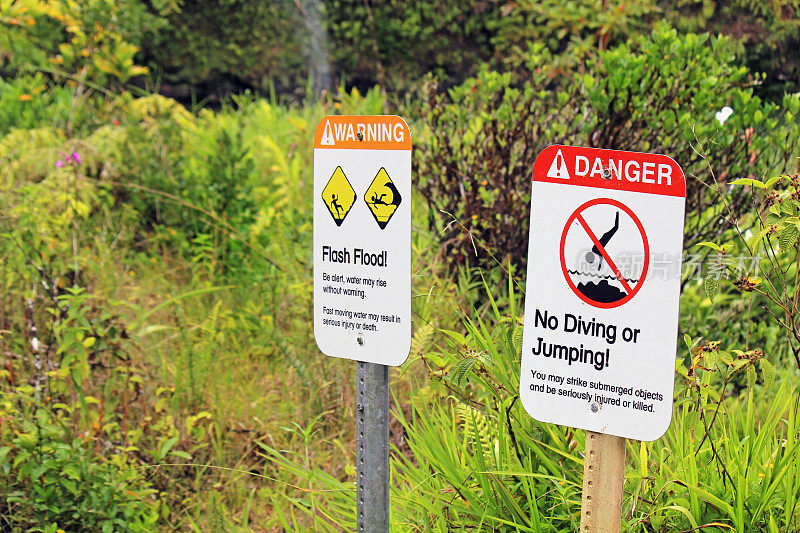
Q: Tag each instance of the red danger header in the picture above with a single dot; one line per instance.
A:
(610, 169)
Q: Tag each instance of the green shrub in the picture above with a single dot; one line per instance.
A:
(768, 235)
(27, 103)
(217, 47)
(659, 94)
(397, 43)
(770, 32)
(572, 28)
(91, 42)
(53, 480)
(474, 166)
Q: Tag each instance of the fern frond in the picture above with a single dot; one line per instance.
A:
(420, 339)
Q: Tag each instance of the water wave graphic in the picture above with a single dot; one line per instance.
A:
(579, 273)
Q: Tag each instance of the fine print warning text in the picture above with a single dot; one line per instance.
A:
(595, 392)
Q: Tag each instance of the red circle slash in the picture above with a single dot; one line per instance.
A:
(631, 291)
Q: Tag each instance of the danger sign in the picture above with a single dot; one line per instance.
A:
(601, 309)
(362, 238)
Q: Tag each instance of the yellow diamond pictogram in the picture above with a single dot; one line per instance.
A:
(382, 198)
(338, 196)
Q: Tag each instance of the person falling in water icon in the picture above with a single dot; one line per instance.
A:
(335, 205)
(603, 241)
(379, 199)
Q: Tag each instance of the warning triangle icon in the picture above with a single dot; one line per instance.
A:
(327, 135)
(558, 169)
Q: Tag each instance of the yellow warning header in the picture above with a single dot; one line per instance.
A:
(373, 132)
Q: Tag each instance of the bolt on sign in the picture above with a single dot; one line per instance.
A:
(362, 238)
(603, 284)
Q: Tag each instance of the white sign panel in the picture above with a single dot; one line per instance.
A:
(603, 287)
(362, 238)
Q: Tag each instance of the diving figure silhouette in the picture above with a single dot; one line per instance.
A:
(603, 241)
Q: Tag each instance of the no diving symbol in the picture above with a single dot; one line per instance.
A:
(604, 253)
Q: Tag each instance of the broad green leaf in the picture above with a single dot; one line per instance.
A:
(756, 241)
(752, 376)
(166, 447)
(516, 339)
(788, 237)
(767, 373)
(435, 359)
(456, 336)
(749, 181)
(711, 284)
(714, 246)
(714, 393)
(461, 370)
(182, 454)
(71, 472)
(691, 420)
(772, 181)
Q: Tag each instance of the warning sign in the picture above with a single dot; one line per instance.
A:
(383, 198)
(596, 256)
(362, 249)
(338, 196)
(601, 309)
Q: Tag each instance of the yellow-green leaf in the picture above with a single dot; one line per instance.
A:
(767, 373)
(751, 376)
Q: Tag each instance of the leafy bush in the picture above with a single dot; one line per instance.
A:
(769, 31)
(26, 103)
(52, 480)
(659, 94)
(663, 97)
(768, 235)
(217, 47)
(92, 42)
(395, 43)
(474, 166)
(573, 28)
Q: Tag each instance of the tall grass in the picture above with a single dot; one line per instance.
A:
(476, 461)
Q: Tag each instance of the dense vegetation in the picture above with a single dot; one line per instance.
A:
(158, 363)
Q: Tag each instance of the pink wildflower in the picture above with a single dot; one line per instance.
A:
(59, 163)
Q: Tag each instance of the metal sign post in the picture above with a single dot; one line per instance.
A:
(372, 448)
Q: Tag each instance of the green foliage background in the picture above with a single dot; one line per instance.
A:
(158, 367)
